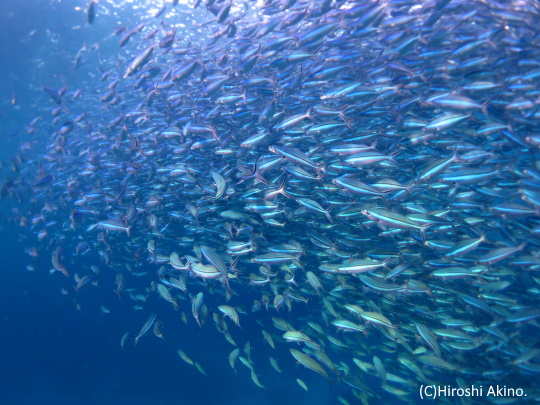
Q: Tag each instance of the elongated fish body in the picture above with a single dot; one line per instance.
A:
(145, 328)
(91, 11)
(139, 61)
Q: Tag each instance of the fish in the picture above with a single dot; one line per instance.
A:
(145, 328)
(196, 306)
(231, 313)
(185, 357)
(379, 366)
(139, 61)
(53, 94)
(302, 384)
(232, 358)
(91, 11)
(317, 169)
(275, 365)
(308, 362)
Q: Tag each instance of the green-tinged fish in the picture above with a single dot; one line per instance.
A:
(274, 364)
(308, 362)
(302, 384)
(145, 328)
(185, 357)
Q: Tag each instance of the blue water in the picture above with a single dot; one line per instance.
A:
(55, 354)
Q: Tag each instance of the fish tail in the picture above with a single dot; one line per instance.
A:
(411, 186)
(118, 294)
(328, 215)
(484, 107)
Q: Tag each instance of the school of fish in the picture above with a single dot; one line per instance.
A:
(367, 170)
